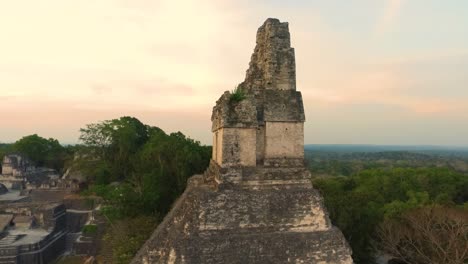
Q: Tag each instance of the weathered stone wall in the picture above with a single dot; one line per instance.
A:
(283, 106)
(234, 126)
(270, 96)
(263, 210)
(214, 149)
(173, 228)
(49, 248)
(7, 170)
(260, 148)
(45, 252)
(247, 153)
(272, 65)
(8, 164)
(19, 173)
(12, 183)
(15, 165)
(284, 140)
(238, 146)
(218, 146)
(275, 224)
(231, 113)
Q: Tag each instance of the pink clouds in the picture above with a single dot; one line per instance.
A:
(454, 108)
(384, 88)
(143, 87)
(63, 120)
(67, 63)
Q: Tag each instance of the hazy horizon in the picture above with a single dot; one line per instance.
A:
(390, 72)
(307, 145)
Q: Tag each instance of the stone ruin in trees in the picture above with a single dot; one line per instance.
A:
(20, 173)
(255, 203)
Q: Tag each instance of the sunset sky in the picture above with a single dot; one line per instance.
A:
(370, 71)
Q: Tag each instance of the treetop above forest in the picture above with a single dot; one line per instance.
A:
(152, 166)
(41, 151)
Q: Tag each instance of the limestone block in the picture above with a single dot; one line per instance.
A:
(283, 106)
(236, 146)
(284, 140)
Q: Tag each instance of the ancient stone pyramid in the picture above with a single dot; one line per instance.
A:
(255, 203)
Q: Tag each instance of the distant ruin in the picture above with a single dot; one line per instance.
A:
(255, 203)
(32, 233)
(40, 218)
(19, 173)
(15, 168)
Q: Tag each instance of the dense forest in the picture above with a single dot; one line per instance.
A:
(139, 171)
(410, 205)
(327, 163)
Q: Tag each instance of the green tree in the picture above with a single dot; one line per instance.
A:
(151, 166)
(114, 142)
(139, 171)
(42, 151)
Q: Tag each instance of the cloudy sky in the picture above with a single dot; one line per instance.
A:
(370, 71)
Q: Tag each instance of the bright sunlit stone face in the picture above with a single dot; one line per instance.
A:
(385, 72)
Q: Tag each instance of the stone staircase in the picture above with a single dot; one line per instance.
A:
(8, 254)
(8, 260)
(268, 177)
(9, 239)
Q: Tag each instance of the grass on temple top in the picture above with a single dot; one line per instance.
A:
(237, 94)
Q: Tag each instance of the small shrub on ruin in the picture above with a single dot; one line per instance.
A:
(237, 94)
(89, 229)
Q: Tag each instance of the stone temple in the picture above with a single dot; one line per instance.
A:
(255, 203)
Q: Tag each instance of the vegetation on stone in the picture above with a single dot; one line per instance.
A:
(126, 236)
(89, 229)
(237, 94)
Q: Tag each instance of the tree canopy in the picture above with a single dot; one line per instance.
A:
(426, 235)
(139, 171)
(41, 151)
(358, 204)
(151, 163)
